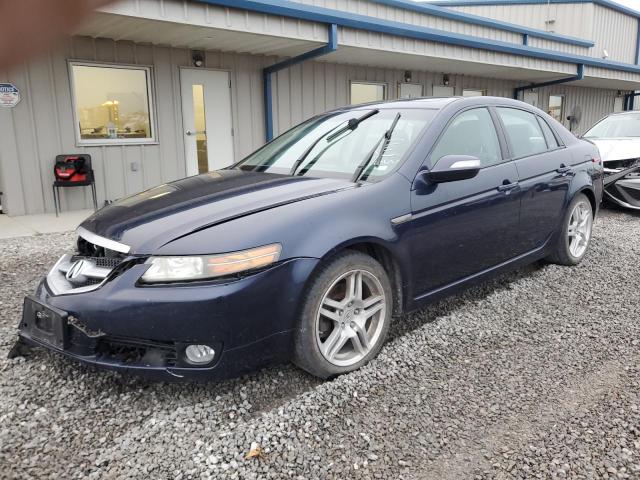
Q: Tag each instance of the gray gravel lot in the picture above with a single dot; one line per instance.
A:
(534, 375)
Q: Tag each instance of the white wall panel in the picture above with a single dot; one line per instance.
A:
(609, 29)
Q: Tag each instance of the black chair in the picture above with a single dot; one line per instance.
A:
(73, 170)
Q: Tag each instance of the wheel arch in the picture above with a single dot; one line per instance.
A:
(383, 254)
(590, 194)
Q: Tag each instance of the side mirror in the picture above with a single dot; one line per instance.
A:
(451, 168)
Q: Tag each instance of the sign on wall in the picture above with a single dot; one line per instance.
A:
(9, 95)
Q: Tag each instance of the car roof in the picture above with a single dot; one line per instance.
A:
(630, 112)
(436, 103)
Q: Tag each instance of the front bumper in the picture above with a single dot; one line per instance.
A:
(144, 330)
(622, 187)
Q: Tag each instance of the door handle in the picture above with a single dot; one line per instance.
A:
(563, 169)
(189, 132)
(507, 187)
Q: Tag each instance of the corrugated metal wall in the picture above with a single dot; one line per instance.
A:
(616, 33)
(516, 15)
(41, 126)
(609, 29)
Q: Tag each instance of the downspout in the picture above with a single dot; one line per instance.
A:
(578, 76)
(331, 46)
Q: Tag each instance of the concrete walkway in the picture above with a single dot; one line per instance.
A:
(27, 225)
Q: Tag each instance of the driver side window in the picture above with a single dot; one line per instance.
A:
(470, 133)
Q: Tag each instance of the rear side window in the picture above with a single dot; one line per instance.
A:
(552, 142)
(523, 132)
(470, 133)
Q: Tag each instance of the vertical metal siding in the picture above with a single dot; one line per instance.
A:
(41, 125)
(610, 30)
(616, 33)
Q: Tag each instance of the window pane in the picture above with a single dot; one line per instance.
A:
(556, 107)
(367, 92)
(473, 93)
(552, 142)
(340, 157)
(523, 132)
(199, 120)
(111, 103)
(471, 133)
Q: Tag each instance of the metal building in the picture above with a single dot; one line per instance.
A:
(155, 90)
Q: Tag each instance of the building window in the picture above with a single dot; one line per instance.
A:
(473, 93)
(364, 92)
(112, 104)
(556, 107)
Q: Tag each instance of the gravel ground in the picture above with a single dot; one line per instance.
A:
(534, 375)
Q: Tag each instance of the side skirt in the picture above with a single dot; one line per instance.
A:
(464, 283)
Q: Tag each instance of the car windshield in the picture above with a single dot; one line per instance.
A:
(616, 126)
(326, 146)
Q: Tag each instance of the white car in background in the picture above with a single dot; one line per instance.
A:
(617, 136)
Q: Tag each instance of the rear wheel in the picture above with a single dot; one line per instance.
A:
(575, 235)
(345, 316)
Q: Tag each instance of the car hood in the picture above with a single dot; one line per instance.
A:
(155, 217)
(617, 148)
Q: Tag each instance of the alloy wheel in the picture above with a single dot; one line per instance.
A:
(350, 318)
(579, 231)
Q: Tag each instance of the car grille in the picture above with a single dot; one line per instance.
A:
(139, 353)
(87, 269)
(622, 164)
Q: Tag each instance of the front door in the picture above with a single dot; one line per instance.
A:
(465, 227)
(206, 112)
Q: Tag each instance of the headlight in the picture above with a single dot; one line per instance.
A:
(176, 269)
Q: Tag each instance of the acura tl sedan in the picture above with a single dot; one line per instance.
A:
(306, 249)
(618, 138)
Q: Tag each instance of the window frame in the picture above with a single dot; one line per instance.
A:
(497, 125)
(153, 124)
(553, 132)
(482, 90)
(538, 118)
(368, 82)
(562, 108)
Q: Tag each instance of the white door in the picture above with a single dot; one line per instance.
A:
(442, 91)
(532, 98)
(206, 118)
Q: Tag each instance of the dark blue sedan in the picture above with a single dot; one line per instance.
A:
(307, 249)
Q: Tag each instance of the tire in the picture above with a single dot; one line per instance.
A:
(336, 335)
(580, 212)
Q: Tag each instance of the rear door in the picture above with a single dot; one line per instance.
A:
(464, 227)
(544, 170)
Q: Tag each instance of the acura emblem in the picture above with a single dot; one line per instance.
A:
(76, 269)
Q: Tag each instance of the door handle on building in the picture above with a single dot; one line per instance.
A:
(189, 132)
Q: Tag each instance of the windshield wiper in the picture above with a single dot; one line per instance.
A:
(385, 139)
(352, 124)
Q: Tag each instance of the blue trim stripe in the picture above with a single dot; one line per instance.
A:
(604, 3)
(331, 46)
(361, 22)
(436, 11)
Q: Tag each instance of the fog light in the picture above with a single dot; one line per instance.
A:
(199, 354)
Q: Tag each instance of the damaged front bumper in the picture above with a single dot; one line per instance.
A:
(122, 326)
(622, 186)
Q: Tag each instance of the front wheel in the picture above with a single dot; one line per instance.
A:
(345, 316)
(575, 235)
